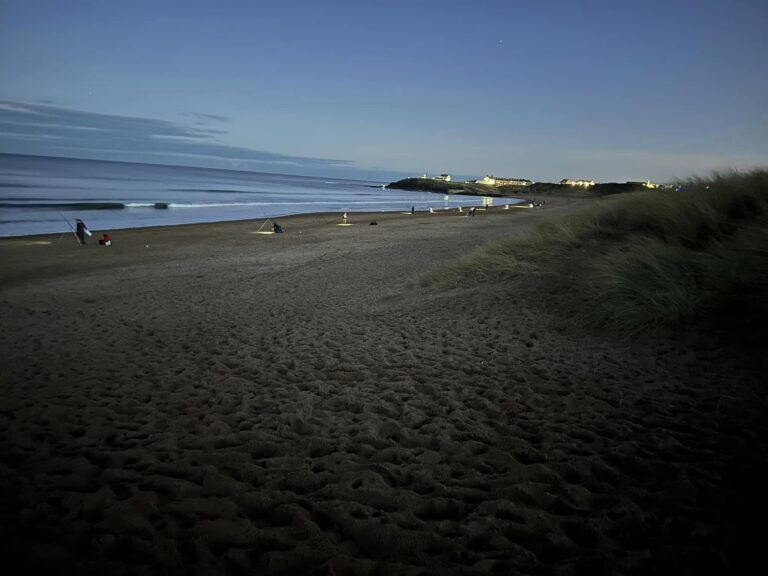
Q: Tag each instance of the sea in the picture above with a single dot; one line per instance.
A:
(43, 195)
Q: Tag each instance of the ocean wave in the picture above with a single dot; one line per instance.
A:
(64, 205)
(17, 185)
(40, 186)
(349, 204)
(213, 190)
(302, 203)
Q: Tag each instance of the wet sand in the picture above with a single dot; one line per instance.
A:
(203, 399)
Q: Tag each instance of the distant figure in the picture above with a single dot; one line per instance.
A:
(105, 240)
(471, 211)
(81, 230)
(277, 228)
(413, 209)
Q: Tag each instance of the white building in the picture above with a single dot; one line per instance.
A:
(442, 177)
(495, 181)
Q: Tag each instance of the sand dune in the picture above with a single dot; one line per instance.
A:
(200, 399)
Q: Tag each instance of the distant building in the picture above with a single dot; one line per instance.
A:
(646, 184)
(496, 181)
(582, 183)
(442, 177)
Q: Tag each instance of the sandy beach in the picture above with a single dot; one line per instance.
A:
(208, 400)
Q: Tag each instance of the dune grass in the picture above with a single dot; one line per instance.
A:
(639, 261)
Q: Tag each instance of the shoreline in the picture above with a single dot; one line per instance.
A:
(19, 251)
(153, 244)
(305, 215)
(85, 215)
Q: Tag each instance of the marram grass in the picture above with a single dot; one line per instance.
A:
(647, 260)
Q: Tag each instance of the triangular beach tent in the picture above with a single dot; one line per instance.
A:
(270, 230)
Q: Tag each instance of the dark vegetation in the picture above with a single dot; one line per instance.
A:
(694, 260)
(439, 186)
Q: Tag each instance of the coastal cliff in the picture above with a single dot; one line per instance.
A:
(537, 188)
(443, 187)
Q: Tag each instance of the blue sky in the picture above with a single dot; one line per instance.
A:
(545, 90)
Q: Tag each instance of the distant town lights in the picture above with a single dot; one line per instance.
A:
(582, 183)
(495, 181)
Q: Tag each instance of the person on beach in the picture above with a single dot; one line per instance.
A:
(277, 228)
(81, 230)
(413, 209)
(105, 240)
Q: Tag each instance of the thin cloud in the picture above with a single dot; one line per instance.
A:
(31, 128)
(215, 117)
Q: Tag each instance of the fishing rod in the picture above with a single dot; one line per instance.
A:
(71, 228)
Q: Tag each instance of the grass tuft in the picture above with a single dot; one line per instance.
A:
(645, 260)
